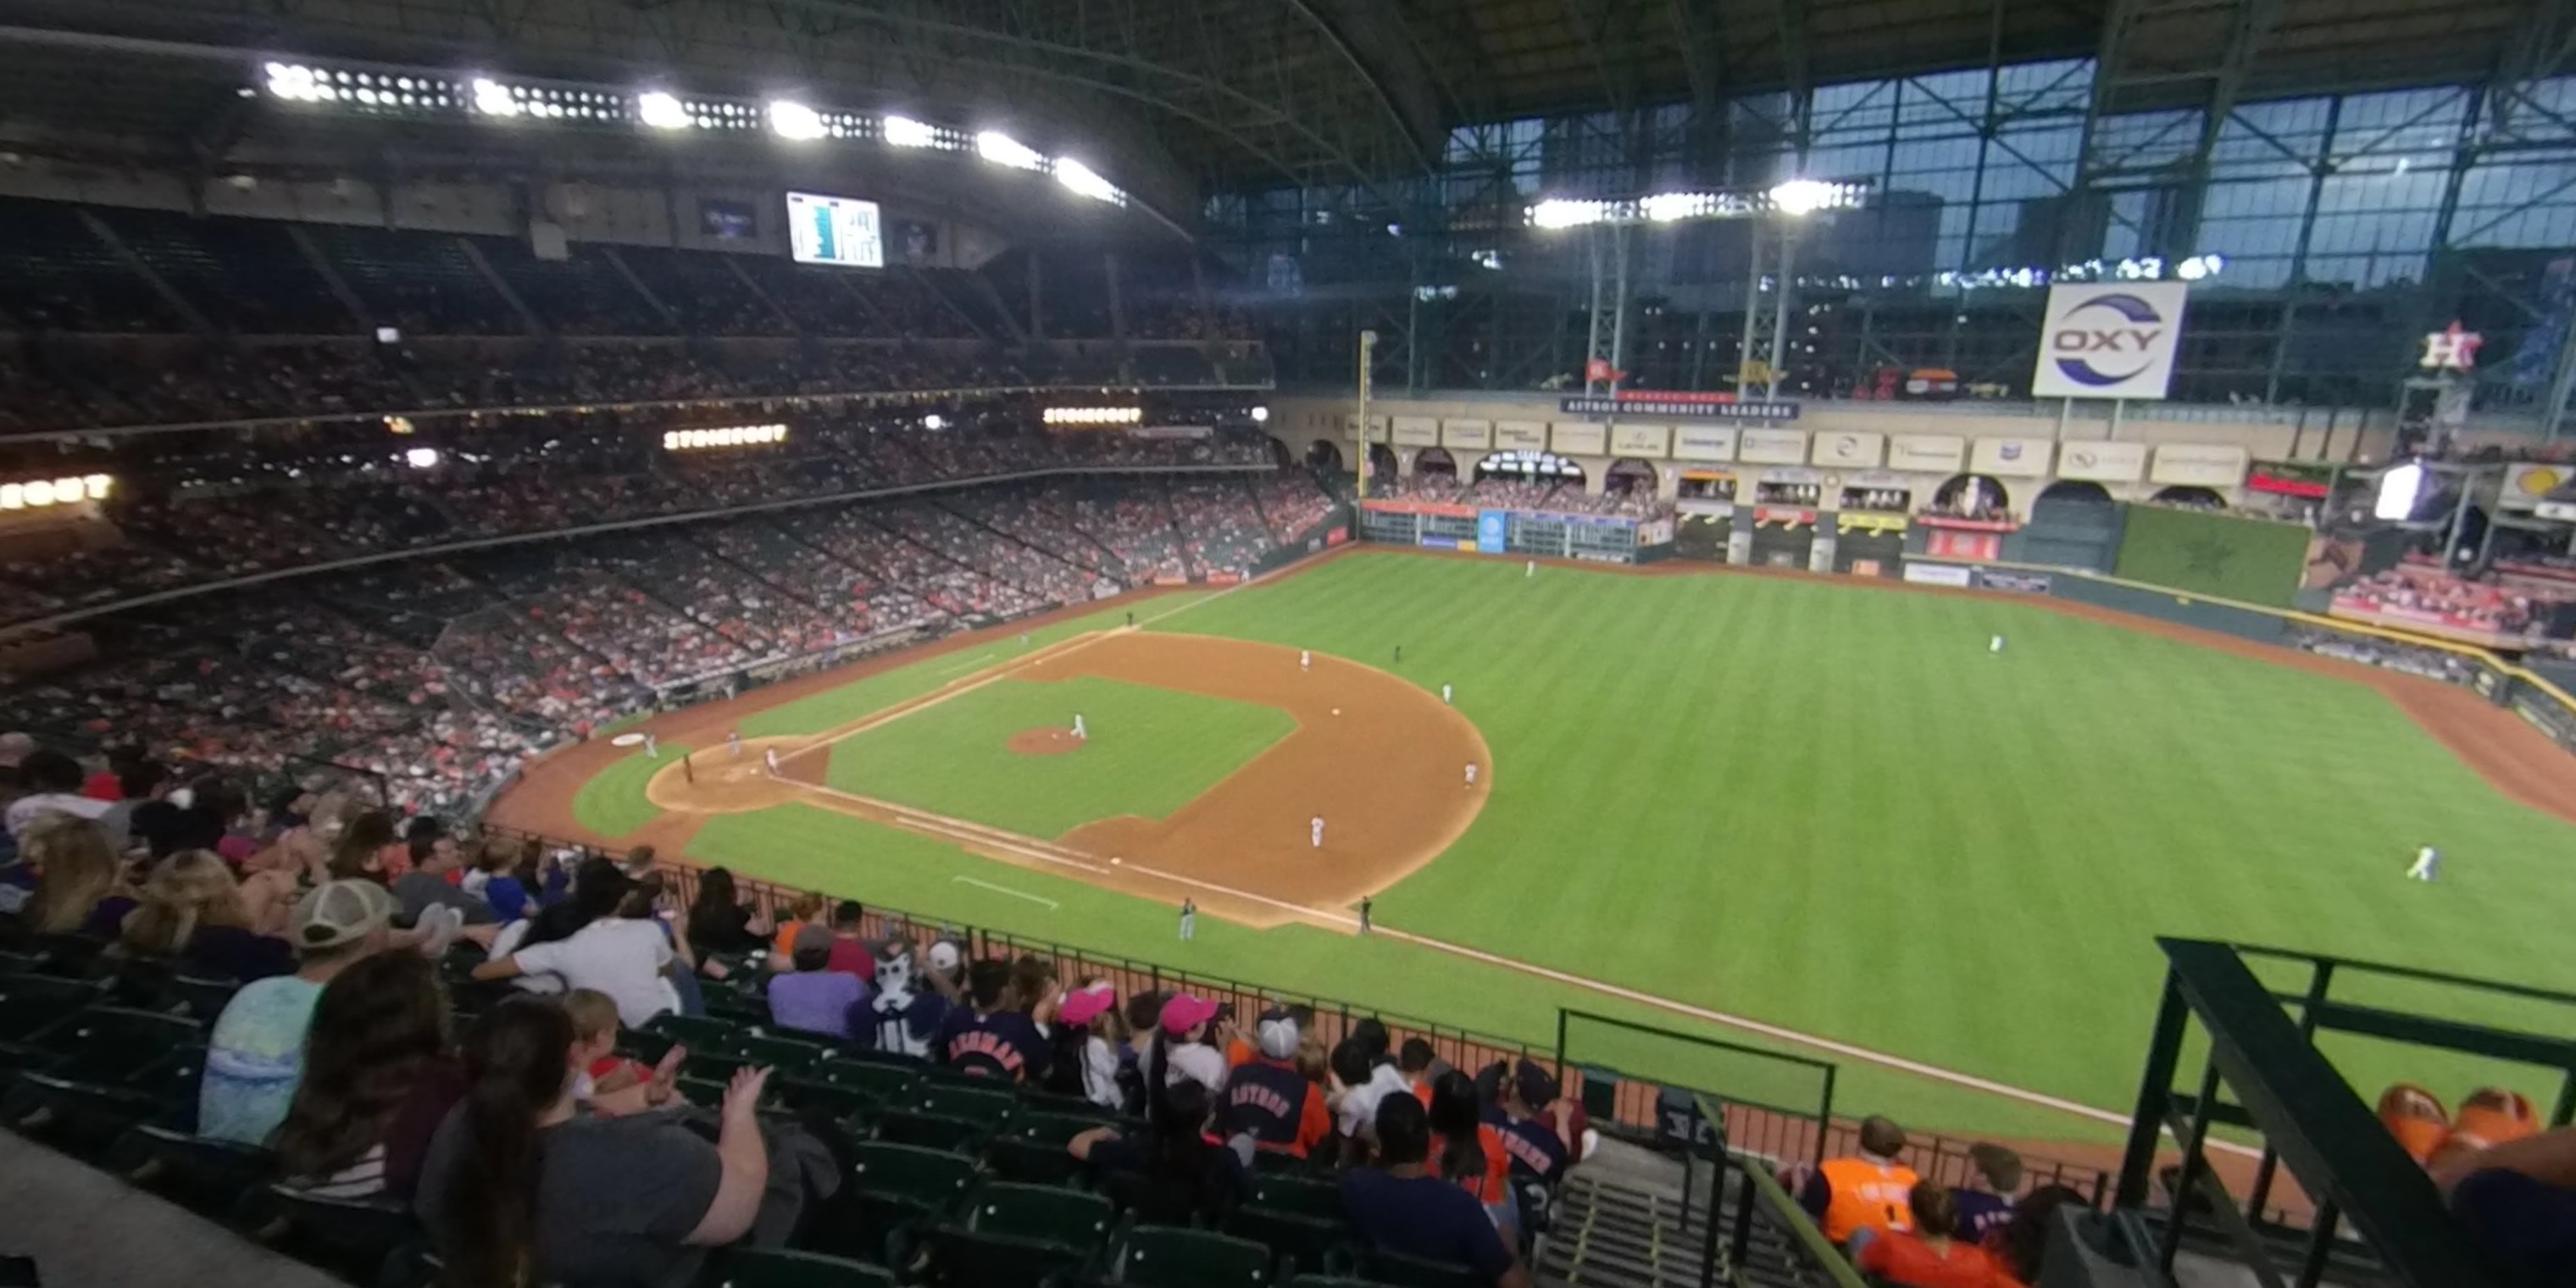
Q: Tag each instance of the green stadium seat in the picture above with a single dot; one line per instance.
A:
(1302, 1195)
(705, 1093)
(785, 1054)
(1163, 1256)
(109, 1043)
(884, 1081)
(198, 998)
(1397, 1270)
(1332, 1281)
(1042, 1212)
(869, 1055)
(895, 1191)
(935, 1176)
(205, 1176)
(362, 1241)
(715, 1066)
(778, 1268)
(964, 1258)
(696, 1032)
(850, 1103)
(83, 1107)
(1030, 1162)
(1270, 1162)
(951, 1100)
(644, 1046)
(932, 1131)
(1305, 1240)
(1050, 1104)
(29, 1003)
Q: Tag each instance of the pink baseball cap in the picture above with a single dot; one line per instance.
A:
(1184, 1013)
(1083, 1005)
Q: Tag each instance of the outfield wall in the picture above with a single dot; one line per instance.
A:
(2535, 697)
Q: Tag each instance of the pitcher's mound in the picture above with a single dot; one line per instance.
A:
(1045, 742)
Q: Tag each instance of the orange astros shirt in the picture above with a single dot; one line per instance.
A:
(1908, 1262)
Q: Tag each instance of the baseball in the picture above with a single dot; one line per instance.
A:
(1114, 861)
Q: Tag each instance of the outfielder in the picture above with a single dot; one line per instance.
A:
(1532, 570)
(2428, 865)
(1080, 734)
(1189, 920)
(1995, 645)
(1317, 829)
(652, 749)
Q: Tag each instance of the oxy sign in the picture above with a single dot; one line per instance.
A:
(2109, 340)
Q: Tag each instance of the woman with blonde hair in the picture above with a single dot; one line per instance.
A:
(80, 887)
(192, 915)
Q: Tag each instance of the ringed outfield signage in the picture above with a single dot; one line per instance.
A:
(1681, 406)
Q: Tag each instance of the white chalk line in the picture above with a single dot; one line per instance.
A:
(1052, 905)
(969, 664)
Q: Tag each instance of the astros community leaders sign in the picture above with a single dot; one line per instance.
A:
(1631, 405)
(2109, 340)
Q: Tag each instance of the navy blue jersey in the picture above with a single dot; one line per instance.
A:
(1004, 1044)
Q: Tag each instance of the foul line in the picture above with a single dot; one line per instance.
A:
(975, 661)
(1051, 904)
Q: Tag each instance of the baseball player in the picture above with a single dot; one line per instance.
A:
(652, 749)
(1305, 660)
(1189, 921)
(1024, 639)
(733, 743)
(2428, 865)
(1080, 734)
(1471, 775)
(1366, 904)
(1444, 695)
(1317, 829)
(1995, 645)
(688, 769)
(770, 754)
(1532, 570)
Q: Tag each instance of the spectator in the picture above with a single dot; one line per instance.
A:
(1092, 1058)
(1401, 1206)
(1363, 1079)
(1178, 1175)
(517, 1189)
(610, 1083)
(1268, 1099)
(621, 956)
(1536, 1129)
(1184, 1049)
(1468, 1152)
(804, 910)
(1930, 1255)
(143, 814)
(851, 953)
(52, 783)
(191, 914)
(989, 1037)
(255, 1055)
(810, 997)
(1416, 1062)
(1848, 1196)
(2021, 1245)
(1986, 1202)
(908, 1010)
(719, 922)
(80, 885)
(377, 1081)
(505, 879)
(105, 785)
(1034, 990)
(427, 884)
(358, 852)
(2517, 1201)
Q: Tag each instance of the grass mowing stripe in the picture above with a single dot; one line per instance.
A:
(612, 803)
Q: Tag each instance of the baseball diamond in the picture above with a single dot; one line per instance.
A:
(1822, 807)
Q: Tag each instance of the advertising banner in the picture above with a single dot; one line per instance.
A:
(2525, 485)
(1930, 453)
(1417, 431)
(2021, 457)
(1668, 409)
(2198, 465)
(1489, 532)
(1577, 438)
(1854, 451)
(1351, 427)
(1772, 446)
(2102, 462)
(2020, 583)
(1439, 543)
(1420, 507)
(1640, 440)
(1932, 574)
(1704, 442)
(1655, 532)
(1520, 435)
(1472, 435)
(2109, 340)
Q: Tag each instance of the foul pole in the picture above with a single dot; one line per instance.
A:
(1368, 352)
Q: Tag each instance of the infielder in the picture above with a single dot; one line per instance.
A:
(770, 754)
(1471, 775)
(733, 743)
(1366, 906)
(1995, 645)
(1080, 734)
(652, 749)
(2428, 865)
(1305, 660)
(1317, 829)
(1189, 920)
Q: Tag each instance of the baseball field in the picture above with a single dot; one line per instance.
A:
(1807, 814)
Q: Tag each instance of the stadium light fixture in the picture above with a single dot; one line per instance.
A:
(421, 458)
(1668, 207)
(791, 120)
(38, 494)
(1082, 180)
(934, 422)
(1260, 415)
(2399, 488)
(1557, 212)
(1002, 149)
(492, 98)
(293, 82)
(1798, 198)
(1093, 416)
(905, 132)
(662, 111)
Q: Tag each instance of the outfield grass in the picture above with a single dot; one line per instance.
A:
(1151, 751)
(1829, 807)
(612, 803)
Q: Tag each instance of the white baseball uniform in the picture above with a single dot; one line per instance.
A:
(1471, 773)
(1080, 734)
(1444, 695)
(1305, 660)
(771, 755)
(733, 743)
(1317, 827)
(652, 749)
(2428, 865)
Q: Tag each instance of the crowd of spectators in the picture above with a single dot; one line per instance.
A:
(1222, 528)
(2430, 597)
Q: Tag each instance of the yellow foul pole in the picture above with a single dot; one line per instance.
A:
(1368, 350)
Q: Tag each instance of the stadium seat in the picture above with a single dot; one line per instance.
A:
(1163, 1256)
(784, 1054)
(84, 1105)
(644, 1046)
(713, 1065)
(965, 1258)
(1332, 1281)
(853, 1104)
(705, 1093)
(933, 1176)
(975, 1104)
(1301, 1195)
(1041, 1212)
(911, 1065)
(779, 1268)
(199, 997)
(1305, 1240)
(696, 1032)
(362, 1241)
(1025, 1161)
(931, 1131)
(894, 1191)
(203, 1175)
(1397, 1270)
(29, 1003)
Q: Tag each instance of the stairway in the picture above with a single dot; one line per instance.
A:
(1619, 1223)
